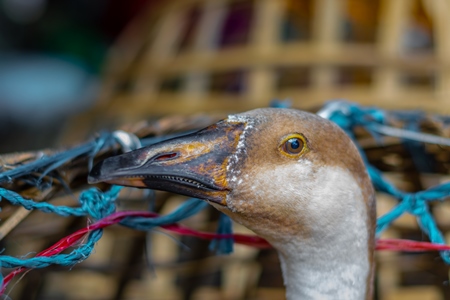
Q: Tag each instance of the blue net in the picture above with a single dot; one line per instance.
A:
(96, 204)
(349, 116)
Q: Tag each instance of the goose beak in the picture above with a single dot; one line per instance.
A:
(194, 165)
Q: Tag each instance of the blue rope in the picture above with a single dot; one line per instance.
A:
(46, 164)
(97, 204)
(185, 210)
(223, 246)
(70, 259)
(93, 203)
(349, 115)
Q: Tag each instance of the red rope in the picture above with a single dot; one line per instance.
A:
(249, 240)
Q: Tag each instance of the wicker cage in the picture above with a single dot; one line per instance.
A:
(221, 56)
(225, 55)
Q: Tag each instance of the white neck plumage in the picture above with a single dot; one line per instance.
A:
(335, 261)
(326, 272)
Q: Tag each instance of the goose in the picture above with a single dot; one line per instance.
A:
(292, 177)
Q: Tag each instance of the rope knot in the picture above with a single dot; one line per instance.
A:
(416, 206)
(99, 204)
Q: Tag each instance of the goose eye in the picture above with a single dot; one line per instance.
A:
(293, 145)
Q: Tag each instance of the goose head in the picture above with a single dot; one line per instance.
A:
(292, 177)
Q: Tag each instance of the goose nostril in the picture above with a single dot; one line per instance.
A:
(166, 156)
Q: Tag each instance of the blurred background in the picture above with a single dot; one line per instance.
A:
(107, 60)
(52, 54)
(70, 68)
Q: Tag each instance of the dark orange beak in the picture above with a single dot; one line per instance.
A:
(194, 165)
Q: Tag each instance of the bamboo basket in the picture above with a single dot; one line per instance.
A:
(223, 55)
(129, 264)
